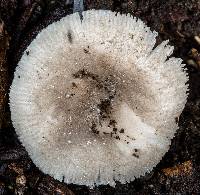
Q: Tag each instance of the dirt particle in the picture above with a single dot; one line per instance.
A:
(131, 36)
(85, 74)
(86, 51)
(94, 128)
(104, 108)
(74, 85)
(112, 123)
(69, 36)
(132, 138)
(106, 133)
(115, 130)
(135, 155)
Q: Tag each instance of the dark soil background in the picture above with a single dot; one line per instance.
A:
(176, 20)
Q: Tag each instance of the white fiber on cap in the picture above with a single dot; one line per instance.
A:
(92, 101)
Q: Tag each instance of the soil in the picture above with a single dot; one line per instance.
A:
(176, 20)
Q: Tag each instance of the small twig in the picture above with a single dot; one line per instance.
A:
(78, 7)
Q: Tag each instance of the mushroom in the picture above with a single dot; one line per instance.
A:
(92, 100)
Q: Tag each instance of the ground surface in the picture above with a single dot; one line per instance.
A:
(176, 20)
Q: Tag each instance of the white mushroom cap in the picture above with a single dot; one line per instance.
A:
(93, 102)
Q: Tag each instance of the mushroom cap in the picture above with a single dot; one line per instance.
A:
(92, 100)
